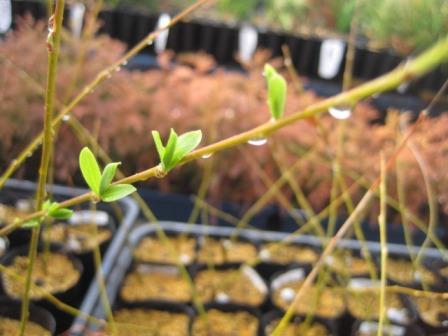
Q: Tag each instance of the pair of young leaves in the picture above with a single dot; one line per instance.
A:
(101, 183)
(176, 147)
(170, 155)
(51, 209)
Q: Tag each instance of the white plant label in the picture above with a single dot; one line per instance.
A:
(5, 15)
(247, 42)
(100, 218)
(77, 11)
(162, 39)
(330, 58)
(372, 328)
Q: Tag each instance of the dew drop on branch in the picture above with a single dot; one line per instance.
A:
(207, 156)
(260, 141)
(66, 118)
(340, 113)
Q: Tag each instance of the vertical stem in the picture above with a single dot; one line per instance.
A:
(101, 281)
(351, 48)
(53, 43)
(402, 208)
(383, 242)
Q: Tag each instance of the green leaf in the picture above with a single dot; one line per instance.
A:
(53, 210)
(186, 143)
(49, 206)
(277, 89)
(159, 146)
(117, 191)
(31, 224)
(169, 151)
(61, 213)
(90, 169)
(108, 175)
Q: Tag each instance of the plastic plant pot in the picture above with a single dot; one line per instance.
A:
(12, 309)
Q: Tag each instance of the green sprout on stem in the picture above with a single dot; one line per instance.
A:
(101, 184)
(176, 148)
(277, 89)
(52, 210)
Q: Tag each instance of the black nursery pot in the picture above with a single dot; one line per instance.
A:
(416, 283)
(104, 220)
(12, 309)
(177, 308)
(150, 268)
(426, 317)
(233, 308)
(71, 295)
(251, 274)
(407, 316)
(170, 235)
(273, 315)
(19, 236)
(370, 329)
(226, 245)
(338, 321)
(268, 268)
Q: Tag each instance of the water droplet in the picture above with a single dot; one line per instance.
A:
(118, 69)
(257, 141)
(124, 63)
(341, 112)
(150, 42)
(66, 118)
(206, 156)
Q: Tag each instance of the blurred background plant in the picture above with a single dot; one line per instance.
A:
(190, 92)
(405, 25)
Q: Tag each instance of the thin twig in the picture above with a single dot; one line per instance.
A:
(53, 45)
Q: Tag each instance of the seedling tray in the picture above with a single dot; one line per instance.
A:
(121, 260)
(18, 189)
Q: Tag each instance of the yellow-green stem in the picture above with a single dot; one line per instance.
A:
(53, 45)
